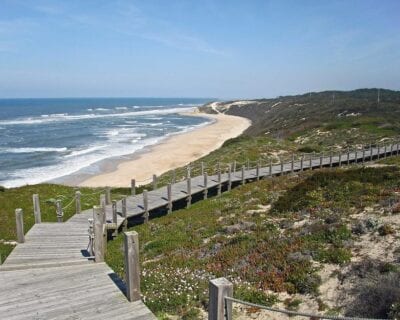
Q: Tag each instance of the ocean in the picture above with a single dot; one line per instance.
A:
(43, 140)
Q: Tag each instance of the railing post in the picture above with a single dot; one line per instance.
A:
(133, 187)
(229, 177)
(311, 159)
(19, 222)
(114, 217)
(219, 182)
(218, 307)
(330, 159)
(340, 158)
(348, 156)
(36, 208)
(258, 170)
(234, 166)
(154, 182)
(202, 168)
(169, 196)
(102, 200)
(363, 153)
(321, 158)
(243, 178)
(189, 192)
(146, 206)
(108, 195)
(124, 214)
(292, 164)
(132, 269)
(205, 177)
(59, 211)
(356, 155)
(281, 167)
(270, 167)
(397, 148)
(78, 207)
(379, 151)
(385, 154)
(302, 163)
(99, 230)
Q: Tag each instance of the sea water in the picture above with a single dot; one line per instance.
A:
(45, 139)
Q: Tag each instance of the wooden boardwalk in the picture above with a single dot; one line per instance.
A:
(51, 275)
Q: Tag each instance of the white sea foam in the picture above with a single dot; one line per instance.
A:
(66, 117)
(32, 150)
(84, 151)
(121, 108)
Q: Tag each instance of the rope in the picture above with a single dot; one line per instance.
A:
(72, 201)
(294, 313)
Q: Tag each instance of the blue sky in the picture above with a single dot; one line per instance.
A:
(224, 49)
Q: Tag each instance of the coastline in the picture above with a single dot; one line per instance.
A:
(175, 151)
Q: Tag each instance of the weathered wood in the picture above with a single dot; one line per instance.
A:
(379, 151)
(132, 268)
(59, 211)
(154, 182)
(229, 177)
(202, 168)
(102, 201)
(234, 166)
(258, 170)
(340, 159)
(397, 148)
(189, 192)
(219, 189)
(99, 230)
(321, 158)
(363, 154)
(114, 216)
(310, 160)
(292, 164)
(218, 307)
(356, 156)
(270, 168)
(36, 208)
(108, 195)
(78, 207)
(330, 159)
(391, 149)
(348, 156)
(169, 196)
(133, 187)
(281, 167)
(205, 184)
(385, 152)
(124, 214)
(19, 221)
(146, 206)
(302, 163)
(243, 177)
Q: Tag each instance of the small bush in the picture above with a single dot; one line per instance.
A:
(385, 230)
(334, 255)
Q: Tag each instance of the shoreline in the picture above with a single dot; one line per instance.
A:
(173, 152)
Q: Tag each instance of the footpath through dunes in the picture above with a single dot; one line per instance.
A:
(52, 276)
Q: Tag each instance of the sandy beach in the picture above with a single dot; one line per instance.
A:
(175, 151)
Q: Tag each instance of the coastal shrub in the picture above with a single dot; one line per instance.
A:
(255, 296)
(334, 255)
(386, 229)
(376, 297)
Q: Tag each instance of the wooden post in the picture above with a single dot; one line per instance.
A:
(202, 168)
(348, 156)
(281, 167)
(124, 214)
(321, 158)
(169, 196)
(154, 182)
(219, 183)
(391, 149)
(146, 206)
(132, 269)
(133, 187)
(330, 159)
(379, 151)
(292, 164)
(229, 177)
(218, 307)
(108, 195)
(270, 167)
(99, 230)
(302, 163)
(234, 166)
(114, 217)
(102, 200)
(397, 148)
(356, 155)
(243, 178)
(19, 221)
(78, 208)
(258, 170)
(363, 154)
(311, 158)
(59, 211)
(205, 185)
(189, 192)
(385, 154)
(36, 208)
(340, 158)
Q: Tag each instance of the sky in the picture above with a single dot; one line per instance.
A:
(220, 49)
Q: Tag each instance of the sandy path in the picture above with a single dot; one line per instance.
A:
(174, 152)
